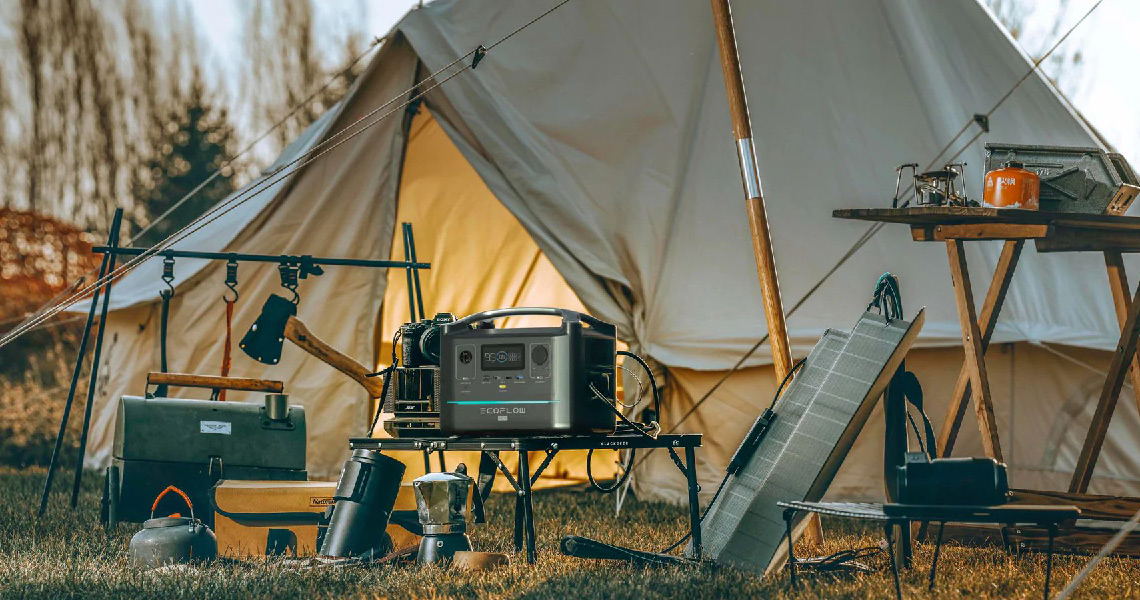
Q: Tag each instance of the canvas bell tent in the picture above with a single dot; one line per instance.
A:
(588, 162)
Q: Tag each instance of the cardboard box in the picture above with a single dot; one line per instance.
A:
(282, 524)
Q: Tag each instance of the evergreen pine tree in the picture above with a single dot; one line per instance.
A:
(192, 139)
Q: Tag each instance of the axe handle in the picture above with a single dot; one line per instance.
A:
(241, 384)
(296, 332)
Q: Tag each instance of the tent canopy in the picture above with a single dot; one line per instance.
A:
(603, 131)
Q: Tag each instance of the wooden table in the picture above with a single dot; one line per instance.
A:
(1051, 232)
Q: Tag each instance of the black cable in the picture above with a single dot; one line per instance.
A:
(886, 297)
(652, 381)
(836, 560)
(917, 433)
(787, 378)
(627, 468)
(724, 480)
(388, 374)
(888, 300)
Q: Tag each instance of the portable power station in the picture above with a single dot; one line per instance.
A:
(538, 380)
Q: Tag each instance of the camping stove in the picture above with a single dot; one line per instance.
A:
(441, 501)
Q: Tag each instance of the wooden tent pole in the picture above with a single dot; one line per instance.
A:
(754, 197)
(754, 200)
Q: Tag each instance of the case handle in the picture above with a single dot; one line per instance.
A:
(171, 488)
(567, 315)
(241, 384)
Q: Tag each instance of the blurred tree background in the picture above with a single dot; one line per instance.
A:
(108, 103)
(1063, 67)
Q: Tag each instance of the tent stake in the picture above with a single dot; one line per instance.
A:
(754, 198)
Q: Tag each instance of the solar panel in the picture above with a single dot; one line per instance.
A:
(817, 419)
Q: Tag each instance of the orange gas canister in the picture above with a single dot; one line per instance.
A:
(1012, 187)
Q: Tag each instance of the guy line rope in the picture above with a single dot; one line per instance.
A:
(873, 229)
(325, 146)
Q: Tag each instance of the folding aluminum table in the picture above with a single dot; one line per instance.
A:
(490, 446)
(901, 515)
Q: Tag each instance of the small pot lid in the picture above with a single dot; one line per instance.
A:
(441, 477)
(159, 522)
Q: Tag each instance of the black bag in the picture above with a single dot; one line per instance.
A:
(952, 481)
(919, 477)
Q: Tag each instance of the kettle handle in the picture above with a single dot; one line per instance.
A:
(168, 489)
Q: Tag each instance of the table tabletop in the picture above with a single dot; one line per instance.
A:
(945, 215)
(534, 443)
(1002, 513)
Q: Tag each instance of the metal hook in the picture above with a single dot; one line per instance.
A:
(289, 280)
(231, 280)
(168, 277)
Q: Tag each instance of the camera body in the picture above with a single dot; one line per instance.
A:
(413, 387)
(419, 341)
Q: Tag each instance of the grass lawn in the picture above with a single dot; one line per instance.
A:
(68, 555)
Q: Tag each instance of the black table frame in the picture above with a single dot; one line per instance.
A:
(1005, 515)
(551, 445)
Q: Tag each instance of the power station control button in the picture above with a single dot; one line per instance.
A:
(540, 355)
(465, 356)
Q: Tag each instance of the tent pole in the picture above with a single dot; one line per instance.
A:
(754, 199)
(93, 376)
(754, 196)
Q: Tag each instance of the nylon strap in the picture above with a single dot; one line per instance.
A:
(227, 347)
(162, 390)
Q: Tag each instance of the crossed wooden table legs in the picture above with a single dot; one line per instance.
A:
(977, 329)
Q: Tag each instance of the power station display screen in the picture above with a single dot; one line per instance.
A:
(502, 357)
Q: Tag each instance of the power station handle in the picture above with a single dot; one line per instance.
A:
(169, 489)
(241, 384)
(568, 316)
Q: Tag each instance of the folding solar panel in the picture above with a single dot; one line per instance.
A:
(817, 419)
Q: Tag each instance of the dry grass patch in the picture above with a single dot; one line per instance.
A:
(67, 555)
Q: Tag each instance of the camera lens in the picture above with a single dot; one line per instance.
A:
(465, 356)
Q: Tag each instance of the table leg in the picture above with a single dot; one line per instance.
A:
(1049, 559)
(520, 512)
(937, 550)
(972, 343)
(987, 320)
(1118, 282)
(1121, 360)
(789, 515)
(891, 556)
(694, 500)
(528, 506)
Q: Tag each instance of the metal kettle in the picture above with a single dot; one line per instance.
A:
(441, 501)
(172, 540)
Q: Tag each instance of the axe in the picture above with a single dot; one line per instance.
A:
(278, 322)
